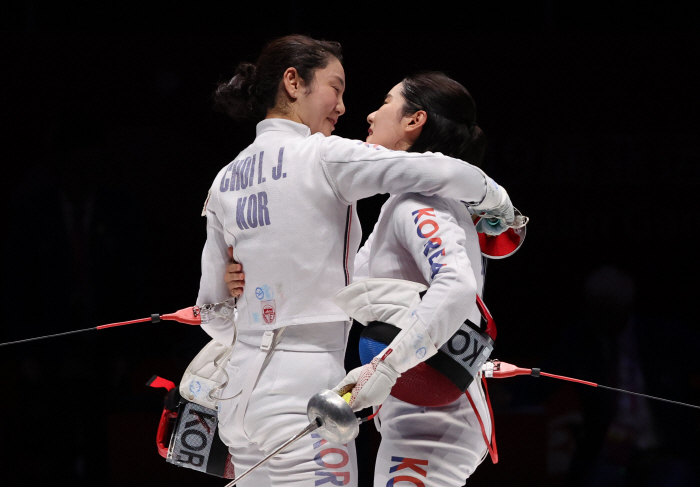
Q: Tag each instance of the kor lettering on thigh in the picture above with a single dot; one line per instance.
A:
(414, 467)
(335, 463)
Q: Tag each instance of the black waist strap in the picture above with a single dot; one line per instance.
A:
(442, 362)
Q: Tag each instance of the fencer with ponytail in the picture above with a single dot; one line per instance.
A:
(451, 126)
(255, 88)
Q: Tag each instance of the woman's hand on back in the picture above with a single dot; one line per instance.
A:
(235, 278)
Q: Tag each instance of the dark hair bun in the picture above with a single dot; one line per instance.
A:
(236, 97)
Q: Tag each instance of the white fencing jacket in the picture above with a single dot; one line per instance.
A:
(432, 241)
(286, 205)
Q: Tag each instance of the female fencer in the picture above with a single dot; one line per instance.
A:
(429, 240)
(286, 204)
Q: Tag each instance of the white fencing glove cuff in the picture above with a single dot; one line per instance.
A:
(411, 346)
(496, 203)
(371, 384)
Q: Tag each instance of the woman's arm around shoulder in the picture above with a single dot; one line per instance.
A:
(358, 170)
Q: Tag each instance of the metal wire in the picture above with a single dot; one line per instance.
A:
(593, 384)
(650, 397)
(48, 336)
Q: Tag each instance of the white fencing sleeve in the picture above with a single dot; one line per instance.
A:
(212, 287)
(362, 270)
(358, 170)
(362, 260)
(437, 243)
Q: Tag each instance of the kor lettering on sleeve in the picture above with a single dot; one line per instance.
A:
(426, 227)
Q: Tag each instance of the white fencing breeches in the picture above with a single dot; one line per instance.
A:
(431, 446)
(298, 368)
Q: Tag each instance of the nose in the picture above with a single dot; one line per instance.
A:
(340, 108)
(370, 118)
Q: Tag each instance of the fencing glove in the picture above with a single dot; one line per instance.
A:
(496, 204)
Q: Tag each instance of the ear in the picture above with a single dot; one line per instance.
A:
(292, 82)
(416, 122)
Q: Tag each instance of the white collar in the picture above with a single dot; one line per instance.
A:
(282, 125)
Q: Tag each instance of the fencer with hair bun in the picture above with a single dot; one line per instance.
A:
(286, 205)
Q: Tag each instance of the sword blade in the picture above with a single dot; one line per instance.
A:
(313, 425)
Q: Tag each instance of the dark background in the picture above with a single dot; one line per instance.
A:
(591, 114)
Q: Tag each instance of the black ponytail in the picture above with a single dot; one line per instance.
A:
(254, 88)
(451, 125)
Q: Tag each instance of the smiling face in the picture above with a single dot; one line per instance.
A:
(388, 127)
(319, 104)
